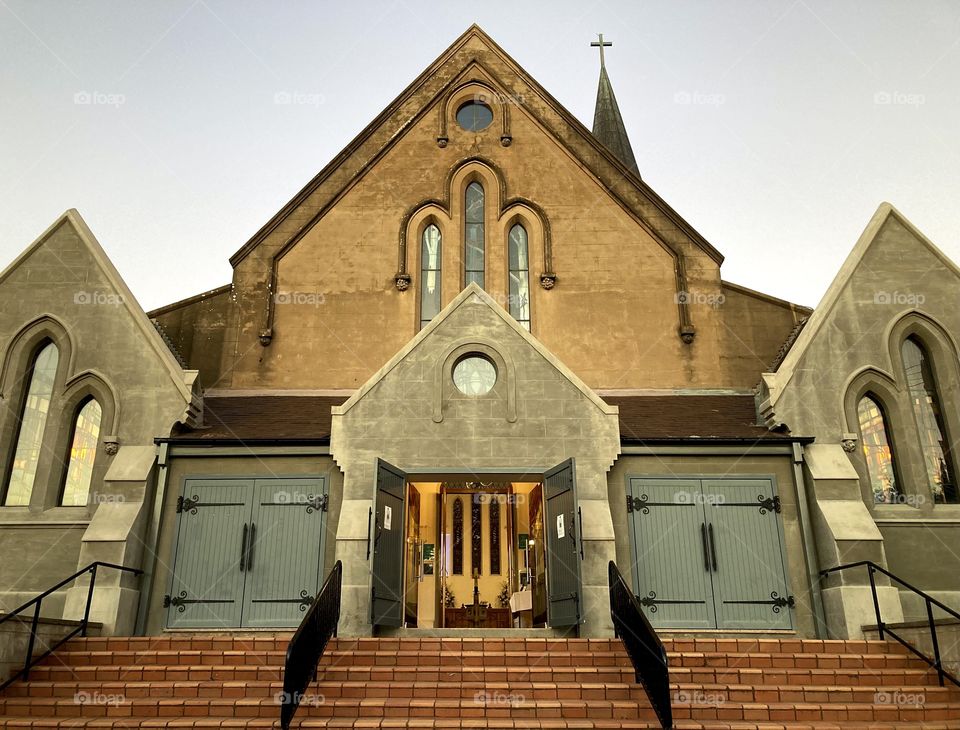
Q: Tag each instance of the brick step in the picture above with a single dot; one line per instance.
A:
(683, 692)
(796, 661)
(488, 709)
(796, 677)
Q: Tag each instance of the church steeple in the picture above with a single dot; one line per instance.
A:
(607, 123)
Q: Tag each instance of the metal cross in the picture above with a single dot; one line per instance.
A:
(601, 45)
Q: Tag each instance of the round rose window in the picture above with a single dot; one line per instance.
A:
(474, 116)
(474, 375)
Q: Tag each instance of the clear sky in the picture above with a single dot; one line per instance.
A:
(775, 127)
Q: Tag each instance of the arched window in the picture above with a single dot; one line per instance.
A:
(430, 256)
(877, 451)
(519, 275)
(473, 235)
(457, 536)
(933, 434)
(83, 451)
(33, 418)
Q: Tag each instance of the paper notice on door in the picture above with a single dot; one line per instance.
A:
(560, 528)
(387, 517)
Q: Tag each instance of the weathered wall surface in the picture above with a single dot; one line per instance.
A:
(395, 418)
(197, 329)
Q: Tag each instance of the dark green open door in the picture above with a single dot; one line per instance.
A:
(564, 589)
(386, 599)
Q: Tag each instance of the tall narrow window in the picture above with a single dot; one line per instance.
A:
(519, 276)
(476, 536)
(874, 436)
(933, 434)
(83, 451)
(495, 534)
(33, 417)
(430, 256)
(473, 235)
(458, 536)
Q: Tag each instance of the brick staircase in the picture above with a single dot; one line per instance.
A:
(193, 680)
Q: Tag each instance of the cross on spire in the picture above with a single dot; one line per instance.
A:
(601, 44)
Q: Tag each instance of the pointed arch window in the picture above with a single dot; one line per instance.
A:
(927, 409)
(519, 275)
(473, 235)
(458, 536)
(430, 271)
(33, 419)
(877, 450)
(83, 452)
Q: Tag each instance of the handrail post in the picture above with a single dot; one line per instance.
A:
(86, 612)
(936, 644)
(876, 601)
(32, 641)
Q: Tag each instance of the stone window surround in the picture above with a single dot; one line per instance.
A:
(71, 391)
(504, 390)
(890, 390)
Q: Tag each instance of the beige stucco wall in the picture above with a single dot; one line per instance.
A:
(243, 464)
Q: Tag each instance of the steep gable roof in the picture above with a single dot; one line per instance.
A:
(182, 379)
(359, 155)
(775, 382)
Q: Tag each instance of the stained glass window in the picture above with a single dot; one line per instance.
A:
(83, 452)
(33, 418)
(458, 536)
(494, 535)
(473, 235)
(874, 436)
(519, 276)
(933, 434)
(474, 375)
(476, 537)
(430, 257)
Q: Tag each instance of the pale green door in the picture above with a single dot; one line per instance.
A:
(284, 551)
(750, 586)
(671, 566)
(207, 586)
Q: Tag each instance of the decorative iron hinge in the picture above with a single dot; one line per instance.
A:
(765, 504)
(777, 602)
(180, 602)
(188, 504)
(651, 601)
(638, 504)
(304, 600)
(320, 503)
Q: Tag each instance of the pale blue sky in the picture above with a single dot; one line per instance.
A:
(774, 127)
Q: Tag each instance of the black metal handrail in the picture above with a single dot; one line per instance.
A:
(883, 629)
(307, 645)
(646, 651)
(37, 602)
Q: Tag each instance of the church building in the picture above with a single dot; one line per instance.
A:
(476, 359)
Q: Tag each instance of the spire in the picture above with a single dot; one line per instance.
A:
(608, 125)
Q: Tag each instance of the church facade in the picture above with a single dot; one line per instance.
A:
(476, 359)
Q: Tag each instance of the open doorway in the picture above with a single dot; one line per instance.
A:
(475, 555)
(476, 551)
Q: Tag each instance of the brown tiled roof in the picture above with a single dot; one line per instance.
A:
(642, 418)
(657, 417)
(263, 418)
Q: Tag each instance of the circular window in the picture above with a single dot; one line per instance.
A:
(474, 116)
(474, 375)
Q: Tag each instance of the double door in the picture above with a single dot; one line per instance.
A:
(248, 552)
(709, 553)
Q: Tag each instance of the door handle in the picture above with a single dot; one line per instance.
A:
(369, 522)
(713, 548)
(243, 548)
(253, 537)
(703, 544)
(580, 534)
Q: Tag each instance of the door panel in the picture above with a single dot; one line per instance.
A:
(207, 586)
(284, 551)
(671, 574)
(749, 577)
(386, 601)
(564, 589)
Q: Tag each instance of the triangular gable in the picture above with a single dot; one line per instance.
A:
(776, 382)
(623, 185)
(182, 379)
(470, 293)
